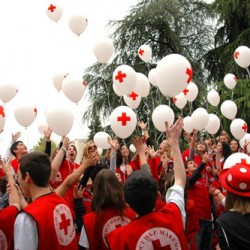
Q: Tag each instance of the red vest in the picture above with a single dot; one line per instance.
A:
(156, 230)
(7, 220)
(54, 221)
(96, 231)
(199, 194)
(15, 164)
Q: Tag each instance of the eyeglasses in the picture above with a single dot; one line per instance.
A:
(92, 147)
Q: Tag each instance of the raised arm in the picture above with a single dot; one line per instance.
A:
(173, 135)
(75, 176)
(57, 161)
(14, 199)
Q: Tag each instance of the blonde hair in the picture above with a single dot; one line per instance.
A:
(85, 152)
(238, 203)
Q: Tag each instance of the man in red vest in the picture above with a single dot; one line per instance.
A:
(154, 230)
(47, 222)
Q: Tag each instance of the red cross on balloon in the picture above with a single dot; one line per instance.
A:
(123, 118)
(133, 96)
(52, 8)
(2, 111)
(120, 76)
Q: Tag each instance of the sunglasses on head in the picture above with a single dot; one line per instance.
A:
(92, 147)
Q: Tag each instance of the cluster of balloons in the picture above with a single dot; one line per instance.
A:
(173, 75)
(77, 23)
(72, 88)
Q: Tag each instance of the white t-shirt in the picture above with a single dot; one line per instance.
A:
(25, 232)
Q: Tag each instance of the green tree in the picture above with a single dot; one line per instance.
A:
(40, 146)
(167, 27)
(233, 31)
(94, 127)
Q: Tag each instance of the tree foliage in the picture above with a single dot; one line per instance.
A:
(233, 31)
(40, 146)
(167, 27)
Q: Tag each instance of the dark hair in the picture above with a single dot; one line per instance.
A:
(141, 192)
(38, 165)
(238, 144)
(107, 192)
(119, 157)
(14, 147)
(226, 151)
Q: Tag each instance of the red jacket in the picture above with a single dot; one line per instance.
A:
(156, 230)
(199, 194)
(54, 222)
(109, 220)
(7, 220)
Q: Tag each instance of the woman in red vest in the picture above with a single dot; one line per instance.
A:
(109, 211)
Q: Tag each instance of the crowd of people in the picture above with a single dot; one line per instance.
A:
(163, 198)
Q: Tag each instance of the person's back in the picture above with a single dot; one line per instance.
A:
(109, 211)
(151, 230)
(47, 222)
(154, 230)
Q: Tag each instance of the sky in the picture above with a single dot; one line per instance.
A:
(33, 49)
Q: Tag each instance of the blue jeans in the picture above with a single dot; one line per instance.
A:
(204, 237)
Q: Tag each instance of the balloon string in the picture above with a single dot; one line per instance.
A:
(108, 95)
(232, 95)
(248, 72)
(27, 136)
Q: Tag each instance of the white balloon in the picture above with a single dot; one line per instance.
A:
(228, 109)
(101, 140)
(133, 100)
(230, 81)
(117, 92)
(132, 148)
(145, 53)
(213, 97)
(160, 115)
(42, 128)
(245, 141)
(200, 118)
(124, 78)
(235, 159)
(238, 128)
(213, 124)
(242, 56)
(59, 120)
(99, 150)
(151, 77)
(191, 92)
(142, 86)
(73, 89)
(57, 80)
(180, 100)
(2, 118)
(188, 124)
(173, 73)
(25, 114)
(7, 91)
(78, 24)
(103, 50)
(123, 121)
(54, 12)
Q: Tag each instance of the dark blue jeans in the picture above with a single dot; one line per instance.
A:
(204, 237)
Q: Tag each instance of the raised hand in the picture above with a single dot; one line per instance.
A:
(173, 133)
